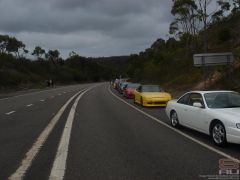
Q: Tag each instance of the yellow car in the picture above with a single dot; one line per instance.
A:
(151, 95)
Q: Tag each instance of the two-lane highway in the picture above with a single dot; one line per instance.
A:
(21, 124)
(99, 135)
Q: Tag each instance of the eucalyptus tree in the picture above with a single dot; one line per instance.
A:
(186, 23)
(194, 16)
(38, 52)
(3, 43)
(236, 6)
(53, 56)
(186, 17)
(15, 46)
(207, 15)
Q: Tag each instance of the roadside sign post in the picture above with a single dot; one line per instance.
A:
(204, 72)
(213, 59)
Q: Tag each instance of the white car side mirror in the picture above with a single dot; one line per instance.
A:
(198, 105)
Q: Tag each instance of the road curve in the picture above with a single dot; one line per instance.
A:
(108, 139)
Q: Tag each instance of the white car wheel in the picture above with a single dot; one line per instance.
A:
(219, 134)
(174, 119)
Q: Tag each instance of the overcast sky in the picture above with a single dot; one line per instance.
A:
(88, 27)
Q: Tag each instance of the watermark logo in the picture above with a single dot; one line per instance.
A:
(228, 169)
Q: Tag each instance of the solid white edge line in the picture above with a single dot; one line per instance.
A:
(179, 132)
(31, 154)
(11, 112)
(59, 165)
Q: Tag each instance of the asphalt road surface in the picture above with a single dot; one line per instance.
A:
(90, 132)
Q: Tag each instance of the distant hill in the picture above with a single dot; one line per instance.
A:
(118, 63)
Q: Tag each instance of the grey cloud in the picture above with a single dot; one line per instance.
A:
(113, 7)
(104, 27)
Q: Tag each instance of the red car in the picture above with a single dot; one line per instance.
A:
(129, 89)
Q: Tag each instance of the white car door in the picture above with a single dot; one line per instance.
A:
(197, 117)
(181, 108)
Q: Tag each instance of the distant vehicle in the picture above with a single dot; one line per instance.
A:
(121, 86)
(115, 83)
(120, 81)
(128, 90)
(111, 82)
(216, 113)
(151, 95)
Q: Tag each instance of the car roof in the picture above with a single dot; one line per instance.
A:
(213, 91)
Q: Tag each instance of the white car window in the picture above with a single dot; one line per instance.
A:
(195, 97)
(184, 99)
(222, 100)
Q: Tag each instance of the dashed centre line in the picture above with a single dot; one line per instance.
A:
(29, 105)
(11, 112)
(42, 100)
(34, 150)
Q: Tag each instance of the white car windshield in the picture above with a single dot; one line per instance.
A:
(222, 100)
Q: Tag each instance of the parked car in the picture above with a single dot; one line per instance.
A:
(128, 90)
(216, 113)
(121, 86)
(115, 84)
(119, 82)
(151, 95)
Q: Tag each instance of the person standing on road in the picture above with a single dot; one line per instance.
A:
(52, 83)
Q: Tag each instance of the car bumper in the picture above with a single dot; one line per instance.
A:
(155, 103)
(233, 135)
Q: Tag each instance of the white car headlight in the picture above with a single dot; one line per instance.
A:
(238, 125)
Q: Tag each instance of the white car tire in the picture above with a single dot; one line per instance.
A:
(218, 134)
(174, 119)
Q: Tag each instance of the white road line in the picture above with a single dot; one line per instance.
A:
(31, 154)
(42, 100)
(29, 105)
(177, 131)
(59, 165)
(11, 112)
(37, 92)
(4, 98)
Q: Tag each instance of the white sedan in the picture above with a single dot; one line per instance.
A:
(216, 113)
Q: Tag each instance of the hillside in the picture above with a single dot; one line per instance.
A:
(170, 62)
